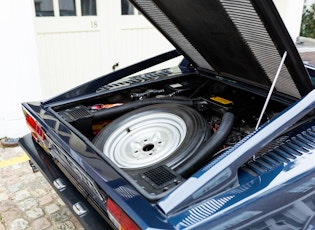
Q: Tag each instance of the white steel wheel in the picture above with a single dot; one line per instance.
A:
(152, 135)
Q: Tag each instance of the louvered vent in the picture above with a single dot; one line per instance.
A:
(126, 192)
(75, 113)
(160, 176)
(289, 150)
(205, 210)
(257, 38)
(135, 79)
(163, 22)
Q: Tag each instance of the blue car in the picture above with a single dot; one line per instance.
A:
(223, 140)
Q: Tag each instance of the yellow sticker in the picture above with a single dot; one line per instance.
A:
(221, 100)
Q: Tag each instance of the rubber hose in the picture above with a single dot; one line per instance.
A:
(209, 148)
(119, 110)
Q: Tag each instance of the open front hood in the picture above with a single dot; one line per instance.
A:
(243, 40)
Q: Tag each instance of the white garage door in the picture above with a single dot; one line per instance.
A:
(79, 40)
(68, 43)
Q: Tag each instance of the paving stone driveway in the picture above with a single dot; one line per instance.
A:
(27, 201)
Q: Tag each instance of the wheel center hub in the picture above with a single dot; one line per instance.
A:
(148, 147)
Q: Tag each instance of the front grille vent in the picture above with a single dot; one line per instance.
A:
(286, 152)
(160, 177)
(76, 113)
(135, 79)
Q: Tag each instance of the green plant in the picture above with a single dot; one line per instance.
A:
(308, 22)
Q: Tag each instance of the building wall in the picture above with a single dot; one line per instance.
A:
(18, 66)
(291, 14)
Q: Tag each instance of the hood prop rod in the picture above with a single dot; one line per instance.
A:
(270, 92)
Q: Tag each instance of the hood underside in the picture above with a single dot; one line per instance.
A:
(240, 39)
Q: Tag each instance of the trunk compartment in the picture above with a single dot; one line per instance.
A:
(211, 96)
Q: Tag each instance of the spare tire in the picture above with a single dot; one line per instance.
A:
(153, 135)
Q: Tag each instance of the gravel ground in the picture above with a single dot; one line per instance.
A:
(308, 57)
(27, 201)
